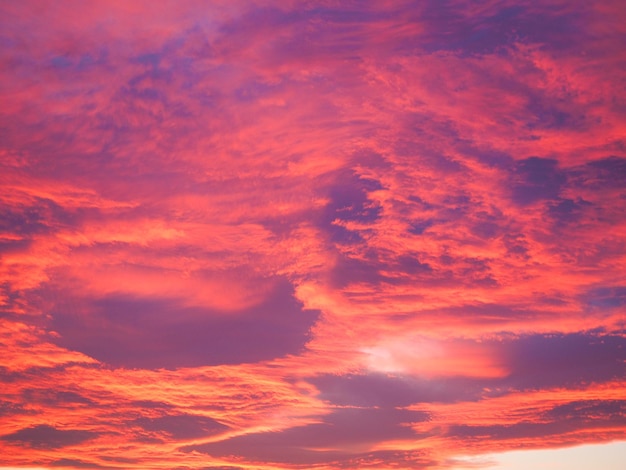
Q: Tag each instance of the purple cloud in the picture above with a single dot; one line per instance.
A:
(344, 428)
(44, 436)
(162, 333)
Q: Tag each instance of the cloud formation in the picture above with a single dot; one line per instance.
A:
(243, 235)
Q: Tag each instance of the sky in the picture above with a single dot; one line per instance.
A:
(316, 234)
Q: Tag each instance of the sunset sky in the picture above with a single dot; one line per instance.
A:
(312, 234)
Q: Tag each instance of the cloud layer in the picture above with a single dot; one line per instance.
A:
(243, 235)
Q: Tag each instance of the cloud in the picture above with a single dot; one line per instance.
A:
(599, 417)
(8, 408)
(385, 391)
(44, 436)
(536, 179)
(588, 409)
(344, 429)
(156, 333)
(75, 463)
(182, 427)
(332, 234)
(57, 398)
(564, 360)
(458, 27)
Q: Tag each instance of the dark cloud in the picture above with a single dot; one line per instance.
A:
(8, 247)
(536, 179)
(561, 420)
(510, 432)
(411, 265)
(422, 127)
(8, 408)
(452, 26)
(349, 203)
(349, 270)
(588, 410)
(73, 397)
(152, 333)
(485, 313)
(25, 221)
(56, 398)
(610, 169)
(151, 405)
(419, 226)
(560, 360)
(181, 426)
(44, 436)
(308, 34)
(548, 114)
(566, 211)
(75, 463)
(8, 376)
(42, 217)
(127, 460)
(383, 391)
(222, 467)
(609, 172)
(343, 429)
(605, 298)
(392, 459)
(486, 225)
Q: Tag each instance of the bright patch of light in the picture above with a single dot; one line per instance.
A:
(609, 456)
(23, 468)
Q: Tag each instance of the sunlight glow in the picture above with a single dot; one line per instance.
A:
(610, 456)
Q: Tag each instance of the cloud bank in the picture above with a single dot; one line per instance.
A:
(277, 235)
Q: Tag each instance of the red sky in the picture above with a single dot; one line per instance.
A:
(310, 234)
